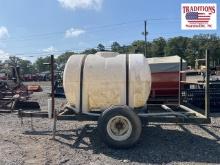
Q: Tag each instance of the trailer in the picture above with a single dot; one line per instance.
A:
(120, 126)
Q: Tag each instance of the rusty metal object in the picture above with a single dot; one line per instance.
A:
(15, 96)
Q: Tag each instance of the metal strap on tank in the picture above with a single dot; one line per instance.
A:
(81, 83)
(127, 79)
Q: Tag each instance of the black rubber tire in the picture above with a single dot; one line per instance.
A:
(124, 111)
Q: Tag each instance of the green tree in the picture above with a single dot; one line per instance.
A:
(138, 46)
(13, 61)
(158, 47)
(115, 47)
(189, 48)
(177, 46)
(101, 47)
(126, 49)
(62, 59)
(89, 51)
(39, 64)
(26, 67)
(199, 43)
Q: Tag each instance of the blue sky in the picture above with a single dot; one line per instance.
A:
(40, 27)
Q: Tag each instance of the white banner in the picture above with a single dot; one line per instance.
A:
(199, 16)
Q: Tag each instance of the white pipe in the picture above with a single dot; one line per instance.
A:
(49, 101)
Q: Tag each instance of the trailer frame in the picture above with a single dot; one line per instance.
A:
(178, 113)
(130, 120)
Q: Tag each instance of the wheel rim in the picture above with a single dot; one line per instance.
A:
(119, 128)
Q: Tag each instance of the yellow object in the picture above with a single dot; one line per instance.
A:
(104, 80)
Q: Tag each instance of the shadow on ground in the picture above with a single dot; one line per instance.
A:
(156, 145)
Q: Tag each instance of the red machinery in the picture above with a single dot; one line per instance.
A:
(165, 76)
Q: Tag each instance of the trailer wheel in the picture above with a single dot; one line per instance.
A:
(119, 127)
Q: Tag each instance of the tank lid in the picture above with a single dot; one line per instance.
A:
(107, 54)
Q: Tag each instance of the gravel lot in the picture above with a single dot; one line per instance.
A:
(79, 143)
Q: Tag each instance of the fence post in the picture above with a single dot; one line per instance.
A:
(180, 79)
(207, 97)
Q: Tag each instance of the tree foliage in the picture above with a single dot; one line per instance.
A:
(185, 47)
(101, 47)
(158, 47)
(62, 59)
(26, 67)
(116, 47)
(89, 51)
(189, 48)
(40, 64)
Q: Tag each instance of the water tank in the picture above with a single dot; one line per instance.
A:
(95, 82)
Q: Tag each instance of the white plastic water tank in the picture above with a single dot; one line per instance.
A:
(97, 81)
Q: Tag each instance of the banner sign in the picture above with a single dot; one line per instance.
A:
(199, 16)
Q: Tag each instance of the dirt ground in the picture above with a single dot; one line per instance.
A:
(79, 143)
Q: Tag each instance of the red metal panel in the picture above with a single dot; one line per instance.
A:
(165, 84)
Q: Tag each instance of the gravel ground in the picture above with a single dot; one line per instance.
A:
(79, 143)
